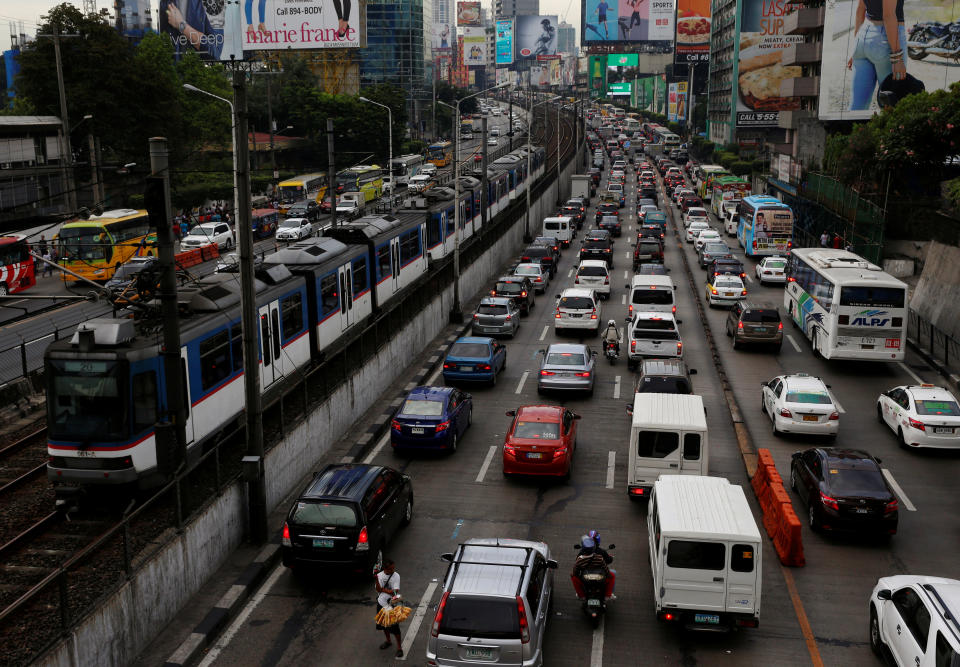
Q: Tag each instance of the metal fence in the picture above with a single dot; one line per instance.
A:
(938, 344)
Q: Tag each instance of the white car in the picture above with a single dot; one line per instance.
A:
(772, 270)
(800, 403)
(913, 617)
(921, 416)
(492, 141)
(207, 233)
(707, 236)
(695, 228)
(695, 213)
(594, 274)
(294, 229)
(538, 275)
(420, 182)
(429, 169)
(578, 308)
(619, 165)
(725, 290)
(652, 334)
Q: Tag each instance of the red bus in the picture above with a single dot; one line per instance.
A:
(16, 265)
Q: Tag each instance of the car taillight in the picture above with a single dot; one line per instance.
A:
(786, 413)
(476, 316)
(606, 280)
(633, 346)
(508, 318)
(449, 366)
(547, 373)
(891, 507)
(583, 375)
(829, 502)
(435, 629)
(443, 426)
(493, 292)
(679, 348)
(740, 326)
(743, 292)
(560, 451)
(524, 628)
(834, 416)
(509, 449)
(593, 315)
(363, 540)
(558, 314)
(743, 276)
(917, 425)
(713, 290)
(523, 293)
(754, 245)
(789, 244)
(395, 425)
(285, 540)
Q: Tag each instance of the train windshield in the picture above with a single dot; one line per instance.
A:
(85, 400)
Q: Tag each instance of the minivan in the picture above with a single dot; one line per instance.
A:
(652, 293)
(750, 322)
(560, 228)
(668, 436)
(652, 334)
(578, 308)
(705, 553)
(593, 273)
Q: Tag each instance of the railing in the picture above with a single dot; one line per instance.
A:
(936, 343)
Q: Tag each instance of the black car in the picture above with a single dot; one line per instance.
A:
(575, 212)
(727, 265)
(664, 376)
(518, 288)
(610, 223)
(654, 230)
(595, 175)
(306, 208)
(606, 209)
(542, 253)
(647, 249)
(844, 489)
(648, 189)
(346, 516)
(594, 247)
(553, 243)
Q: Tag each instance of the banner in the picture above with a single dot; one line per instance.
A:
(442, 36)
(617, 89)
(606, 21)
(932, 54)
(468, 13)
(536, 36)
(474, 45)
(762, 43)
(554, 68)
(693, 31)
(504, 44)
(677, 102)
(228, 30)
(622, 67)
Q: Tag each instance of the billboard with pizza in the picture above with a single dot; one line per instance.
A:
(693, 31)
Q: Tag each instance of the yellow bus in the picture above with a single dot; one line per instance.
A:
(440, 153)
(364, 178)
(304, 186)
(96, 247)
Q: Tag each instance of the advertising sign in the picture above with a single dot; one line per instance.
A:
(554, 67)
(760, 73)
(619, 89)
(677, 102)
(770, 223)
(536, 36)
(224, 30)
(468, 13)
(693, 31)
(622, 67)
(474, 45)
(932, 53)
(442, 36)
(606, 21)
(504, 42)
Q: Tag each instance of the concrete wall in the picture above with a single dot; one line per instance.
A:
(935, 297)
(123, 626)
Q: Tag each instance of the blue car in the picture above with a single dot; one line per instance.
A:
(431, 418)
(474, 359)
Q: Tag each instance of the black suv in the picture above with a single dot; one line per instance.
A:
(597, 247)
(346, 516)
(573, 211)
(307, 208)
(664, 376)
(606, 209)
(542, 253)
(518, 288)
(726, 265)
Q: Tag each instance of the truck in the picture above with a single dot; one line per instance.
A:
(581, 185)
(351, 205)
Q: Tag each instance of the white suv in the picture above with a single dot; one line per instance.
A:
(594, 274)
(207, 233)
(914, 618)
(578, 309)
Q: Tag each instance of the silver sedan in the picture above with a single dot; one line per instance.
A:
(567, 367)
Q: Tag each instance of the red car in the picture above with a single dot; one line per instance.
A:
(541, 441)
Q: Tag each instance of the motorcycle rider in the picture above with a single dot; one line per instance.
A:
(591, 554)
(611, 336)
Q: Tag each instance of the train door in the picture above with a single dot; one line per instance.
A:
(395, 258)
(185, 384)
(271, 364)
(346, 296)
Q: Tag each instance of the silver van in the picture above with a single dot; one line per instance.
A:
(494, 606)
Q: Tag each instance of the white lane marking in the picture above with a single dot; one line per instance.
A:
(570, 273)
(611, 468)
(523, 378)
(434, 374)
(793, 342)
(623, 299)
(596, 650)
(906, 369)
(626, 275)
(616, 387)
(543, 334)
(486, 463)
(376, 450)
(897, 490)
(414, 627)
(836, 403)
(241, 619)
(749, 279)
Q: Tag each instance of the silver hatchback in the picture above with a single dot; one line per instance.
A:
(496, 315)
(566, 367)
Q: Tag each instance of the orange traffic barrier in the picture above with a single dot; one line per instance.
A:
(787, 539)
(779, 519)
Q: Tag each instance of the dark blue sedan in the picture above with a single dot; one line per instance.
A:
(431, 418)
(474, 359)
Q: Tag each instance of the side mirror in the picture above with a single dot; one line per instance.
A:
(884, 594)
(611, 546)
(470, 396)
(679, 321)
(576, 546)
(551, 564)
(627, 320)
(558, 296)
(692, 371)
(626, 287)
(575, 415)
(629, 409)
(511, 413)
(447, 557)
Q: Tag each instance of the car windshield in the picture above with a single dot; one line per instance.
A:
(537, 430)
(509, 288)
(202, 230)
(728, 284)
(576, 303)
(592, 271)
(942, 408)
(715, 247)
(528, 270)
(596, 243)
(492, 309)
(664, 385)
(647, 247)
(809, 396)
(774, 265)
(324, 514)
(469, 350)
(131, 269)
(290, 224)
(855, 482)
(422, 407)
(654, 325)
(659, 297)
(652, 270)
(494, 618)
(564, 359)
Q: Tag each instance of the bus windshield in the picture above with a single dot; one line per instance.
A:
(83, 243)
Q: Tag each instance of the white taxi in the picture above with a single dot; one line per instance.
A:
(921, 416)
(772, 270)
(695, 228)
(800, 403)
(706, 236)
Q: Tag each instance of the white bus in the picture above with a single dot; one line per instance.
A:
(668, 139)
(404, 167)
(848, 307)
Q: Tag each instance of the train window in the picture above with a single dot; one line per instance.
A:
(144, 400)
(265, 339)
(236, 342)
(329, 301)
(360, 277)
(291, 308)
(383, 261)
(214, 359)
(450, 222)
(435, 231)
(409, 246)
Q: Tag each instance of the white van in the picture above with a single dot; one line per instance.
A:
(655, 294)
(731, 220)
(705, 553)
(668, 436)
(560, 228)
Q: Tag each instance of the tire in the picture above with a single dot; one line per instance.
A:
(408, 512)
(879, 413)
(903, 442)
(812, 518)
(470, 417)
(917, 54)
(773, 420)
(793, 479)
(493, 382)
(229, 244)
(452, 447)
(763, 405)
(813, 342)
(3, 290)
(876, 642)
(736, 344)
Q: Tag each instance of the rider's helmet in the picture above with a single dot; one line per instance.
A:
(595, 536)
(612, 323)
(586, 542)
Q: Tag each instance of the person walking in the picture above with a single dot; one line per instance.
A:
(837, 242)
(824, 239)
(47, 269)
(388, 587)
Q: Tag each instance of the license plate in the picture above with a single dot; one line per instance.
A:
(477, 652)
(810, 418)
(416, 431)
(466, 369)
(945, 430)
(575, 315)
(593, 602)
(861, 510)
(320, 543)
(534, 455)
(711, 619)
(760, 329)
(868, 341)
(728, 293)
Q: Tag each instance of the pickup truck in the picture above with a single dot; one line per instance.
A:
(351, 205)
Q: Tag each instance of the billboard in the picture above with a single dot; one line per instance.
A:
(677, 102)
(693, 31)
(622, 67)
(760, 73)
(474, 45)
(504, 43)
(929, 29)
(229, 30)
(536, 36)
(468, 13)
(606, 21)
(442, 36)
(617, 89)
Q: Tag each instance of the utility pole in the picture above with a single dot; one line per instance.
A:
(273, 157)
(96, 186)
(456, 313)
(66, 152)
(331, 175)
(253, 461)
(509, 128)
(484, 214)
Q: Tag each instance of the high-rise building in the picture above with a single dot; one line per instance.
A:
(444, 11)
(566, 38)
(136, 14)
(516, 7)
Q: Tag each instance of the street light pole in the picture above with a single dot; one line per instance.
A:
(390, 140)
(236, 141)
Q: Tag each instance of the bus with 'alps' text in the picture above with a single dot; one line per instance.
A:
(848, 307)
(766, 226)
(17, 270)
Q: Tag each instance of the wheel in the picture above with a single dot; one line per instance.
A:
(408, 512)
(776, 433)
(452, 448)
(470, 417)
(727, 331)
(903, 441)
(493, 382)
(879, 413)
(229, 244)
(736, 344)
(812, 518)
(763, 405)
(793, 478)
(816, 349)
(876, 642)
(3, 290)
(917, 54)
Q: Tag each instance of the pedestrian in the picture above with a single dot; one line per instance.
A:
(388, 587)
(837, 242)
(47, 269)
(183, 229)
(824, 239)
(43, 245)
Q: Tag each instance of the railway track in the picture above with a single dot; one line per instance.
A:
(25, 494)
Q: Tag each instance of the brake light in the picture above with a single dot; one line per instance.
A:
(633, 346)
(508, 318)
(740, 326)
(834, 416)
(558, 314)
(524, 628)
(482, 367)
(679, 348)
(829, 502)
(435, 630)
(789, 244)
(743, 292)
(786, 413)
(476, 316)
(583, 375)
(593, 315)
(674, 310)
(547, 373)
(509, 449)
(630, 310)
(713, 290)
(285, 541)
(448, 366)
(493, 292)
(754, 245)
(395, 425)
(523, 293)
(443, 426)
(606, 280)
(917, 425)
(891, 507)
(743, 275)
(560, 451)
(363, 540)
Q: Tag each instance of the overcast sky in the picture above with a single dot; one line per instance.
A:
(29, 12)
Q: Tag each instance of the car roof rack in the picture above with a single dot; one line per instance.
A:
(523, 566)
(949, 617)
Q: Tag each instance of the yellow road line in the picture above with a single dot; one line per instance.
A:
(808, 637)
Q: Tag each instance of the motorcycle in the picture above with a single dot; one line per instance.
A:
(934, 38)
(593, 582)
(611, 352)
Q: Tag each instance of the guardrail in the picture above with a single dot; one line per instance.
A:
(935, 343)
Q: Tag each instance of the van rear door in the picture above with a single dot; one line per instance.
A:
(658, 453)
(742, 578)
(693, 459)
(694, 577)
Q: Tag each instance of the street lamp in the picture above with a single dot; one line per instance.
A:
(233, 135)
(526, 221)
(390, 140)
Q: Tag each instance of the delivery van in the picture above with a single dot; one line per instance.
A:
(668, 436)
(652, 293)
(560, 228)
(705, 553)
